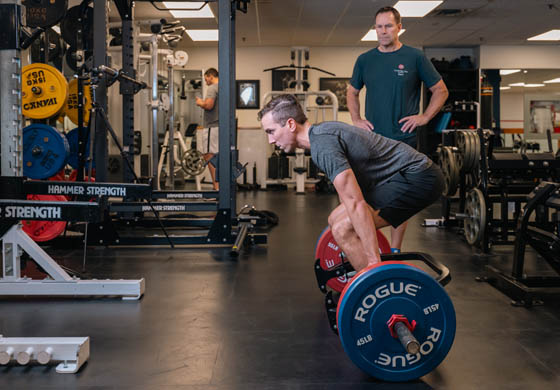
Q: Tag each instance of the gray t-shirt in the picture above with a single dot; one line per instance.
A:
(210, 118)
(337, 146)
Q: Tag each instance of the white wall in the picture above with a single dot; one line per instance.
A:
(522, 56)
(251, 61)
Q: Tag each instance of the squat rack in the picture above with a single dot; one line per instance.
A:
(221, 229)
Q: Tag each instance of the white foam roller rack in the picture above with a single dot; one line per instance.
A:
(69, 352)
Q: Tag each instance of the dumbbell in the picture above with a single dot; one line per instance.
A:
(395, 321)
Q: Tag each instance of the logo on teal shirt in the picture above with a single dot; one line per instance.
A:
(400, 71)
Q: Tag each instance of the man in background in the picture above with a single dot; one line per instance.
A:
(210, 135)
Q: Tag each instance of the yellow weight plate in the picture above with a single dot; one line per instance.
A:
(72, 104)
(44, 91)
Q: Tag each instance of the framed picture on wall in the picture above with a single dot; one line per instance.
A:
(248, 94)
(338, 86)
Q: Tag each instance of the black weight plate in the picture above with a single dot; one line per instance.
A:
(71, 24)
(44, 13)
(71, 61)
(56, 47)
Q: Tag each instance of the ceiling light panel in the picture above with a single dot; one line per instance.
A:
(505, 72)
(552, 35)
(416, 9)
(190, 10)
(371, 35)
(203, 35)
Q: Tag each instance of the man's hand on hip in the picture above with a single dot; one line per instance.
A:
(363, 123)
(412, 122)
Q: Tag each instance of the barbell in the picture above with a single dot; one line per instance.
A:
(394, 320)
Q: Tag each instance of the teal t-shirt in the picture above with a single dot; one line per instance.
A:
(392, 82)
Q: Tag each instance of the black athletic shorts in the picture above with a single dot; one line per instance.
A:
(405, 194)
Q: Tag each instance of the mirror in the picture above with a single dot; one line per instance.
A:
(529, 101)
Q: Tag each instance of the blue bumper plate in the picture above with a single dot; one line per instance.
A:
(45, 151)
(370, 300)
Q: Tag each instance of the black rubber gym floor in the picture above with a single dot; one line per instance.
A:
(258, 322)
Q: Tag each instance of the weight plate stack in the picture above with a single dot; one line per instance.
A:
(474, 225)
(45, 151)
(449, 170)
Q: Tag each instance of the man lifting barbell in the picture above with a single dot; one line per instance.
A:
(379, 181)
(395, 321)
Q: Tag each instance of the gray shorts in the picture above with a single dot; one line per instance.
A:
(210, 140)
(411, 141)
(405, 194)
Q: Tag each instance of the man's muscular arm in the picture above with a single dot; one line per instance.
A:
(353, 102)
(360, 213)
(206, 104)
(439, 96)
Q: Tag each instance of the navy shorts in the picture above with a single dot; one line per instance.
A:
(405, 194)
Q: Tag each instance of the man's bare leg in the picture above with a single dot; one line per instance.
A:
(212, 169)
(397, 235)
(347, 238)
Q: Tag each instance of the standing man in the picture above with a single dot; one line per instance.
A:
(210, 140)
(379, 181)
(392, 74)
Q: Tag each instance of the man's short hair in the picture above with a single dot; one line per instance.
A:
(211, 72)
(395, 13)
(283, 107)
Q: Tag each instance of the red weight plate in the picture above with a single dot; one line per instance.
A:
(74, 175)
(60, 176)
(328, 252)
(41, 231)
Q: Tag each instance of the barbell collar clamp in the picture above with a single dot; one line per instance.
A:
(401, 329)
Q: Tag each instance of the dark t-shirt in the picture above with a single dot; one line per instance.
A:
(337, 146)
(392, 82)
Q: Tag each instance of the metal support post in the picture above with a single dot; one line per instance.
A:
(10, 91)
(226, 108)
(100, 58)
(171, 124)
(127, 91)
